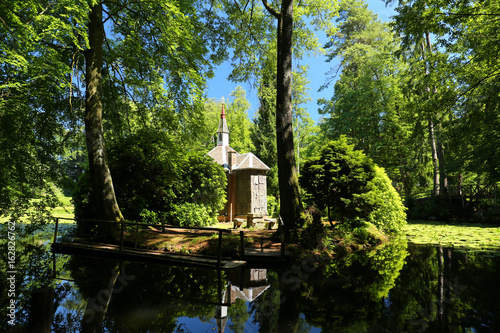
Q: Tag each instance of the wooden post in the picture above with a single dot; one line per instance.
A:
(121, 236)
(219, 255)
(228, 293)
(55, 230)
(242, 243)
(54, 267)
(42, 304)
(136, 234)
(162, 218)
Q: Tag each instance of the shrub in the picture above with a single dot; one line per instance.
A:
(347, 183)
(190, 214)
(389, 213)
(272, 206)
(337, 180)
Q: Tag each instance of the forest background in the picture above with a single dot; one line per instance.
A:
(419, 94)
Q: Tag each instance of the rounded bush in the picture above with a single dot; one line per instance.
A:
(388, 213)
(354, 190)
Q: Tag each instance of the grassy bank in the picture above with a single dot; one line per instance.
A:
(463, 237)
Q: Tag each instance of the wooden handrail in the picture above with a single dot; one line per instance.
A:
(144, 224)
(123, 223)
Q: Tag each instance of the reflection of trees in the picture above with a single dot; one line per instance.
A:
(437, 292)
(238, 315)
(33, 263)
(348, 294)
(154, 295)
(265, 308)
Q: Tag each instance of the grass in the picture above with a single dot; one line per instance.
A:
(66, 209)
(463, 237)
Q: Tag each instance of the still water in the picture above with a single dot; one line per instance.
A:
(394, 288)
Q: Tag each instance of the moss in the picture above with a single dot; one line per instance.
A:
(465, 236)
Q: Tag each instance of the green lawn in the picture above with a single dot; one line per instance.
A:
(65, 210)
(463, 237)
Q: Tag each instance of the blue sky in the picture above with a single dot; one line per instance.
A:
(219, 86)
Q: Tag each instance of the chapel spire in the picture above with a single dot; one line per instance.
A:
(223, 131)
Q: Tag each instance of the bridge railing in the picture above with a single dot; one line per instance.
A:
(467, 192)
(123, 224)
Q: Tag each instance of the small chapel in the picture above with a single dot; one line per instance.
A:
(246, 176)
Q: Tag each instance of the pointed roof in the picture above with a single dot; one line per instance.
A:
(222, 122)
(219, 154)
(249, 161)
(238, 161)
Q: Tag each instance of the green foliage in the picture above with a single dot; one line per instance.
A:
(190, 214)
(239, 124)
(388, 213)
(272, 206)
(368, 103)
(337, 180)
(35, 104)
(346, 182)
(313, 233)
(264, 128)
(153, 179)
(239, 315)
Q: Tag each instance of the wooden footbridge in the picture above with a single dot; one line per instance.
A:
(122, 243)
(467, 194)
(472, 193)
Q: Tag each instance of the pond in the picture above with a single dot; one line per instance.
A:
(394, 288)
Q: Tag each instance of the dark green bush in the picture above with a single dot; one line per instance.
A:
(337, 179)
(152, 178)
(353, 189)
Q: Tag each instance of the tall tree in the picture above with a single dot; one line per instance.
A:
(38, 39)
(287, 172)
(463, 32)
(149, 62)
(368, 102)
(240, 126)
(264, 129)
(238, 122)
(253, 29)
(102, 183)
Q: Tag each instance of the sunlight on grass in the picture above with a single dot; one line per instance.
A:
(66, 209)
(463, 237)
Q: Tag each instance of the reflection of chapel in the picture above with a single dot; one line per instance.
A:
(246, 175)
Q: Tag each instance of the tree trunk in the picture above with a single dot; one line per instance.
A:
(443, 175)
(432, 135)
(97, 307)
(287, 171)
(435, 160)
(102, 184)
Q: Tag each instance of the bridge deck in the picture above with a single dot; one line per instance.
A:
(110, 250)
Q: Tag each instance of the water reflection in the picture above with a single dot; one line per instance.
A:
(394, 288)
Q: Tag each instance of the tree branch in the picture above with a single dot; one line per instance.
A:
(271, 10)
